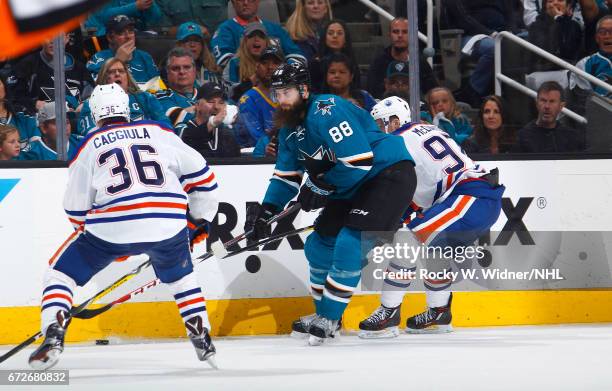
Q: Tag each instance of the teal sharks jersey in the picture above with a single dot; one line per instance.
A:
(338, 142)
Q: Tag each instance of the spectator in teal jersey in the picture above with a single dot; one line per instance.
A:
(9, 143)
(142, 104)
(45, 147)
(146, 14)
(26, 124)
(122, 45)
(443, 112)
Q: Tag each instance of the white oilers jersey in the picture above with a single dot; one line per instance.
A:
(440, 163)
(132, 182)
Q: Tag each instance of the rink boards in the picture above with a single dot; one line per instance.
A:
(562, 205)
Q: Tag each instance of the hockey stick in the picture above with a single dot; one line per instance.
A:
(75, 311)
(93, 312)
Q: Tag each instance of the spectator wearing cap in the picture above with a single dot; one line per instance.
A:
(142, 104)
(146, 14)
(397, 80)
(241, 67)
(227, 37)
(179, 99)
(45, 147)
(122, 45)
(9, 115)
(305, 24)
(189, 36)
(209, 132)
(256, 105)
(340, 81)
(35, 79)
(207, 13)
(398, 51)
(443, 112)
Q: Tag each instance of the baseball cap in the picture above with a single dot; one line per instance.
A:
(118, 23)
(188, 29)
(211, 90)
(46, 113)
(398, 68)
(272, 51)
(253, 27)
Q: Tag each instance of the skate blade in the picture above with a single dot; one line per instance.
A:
(315, 341)
(437, 329)
(298, 335)
(390, 332)
(52, 359)
(212, 361)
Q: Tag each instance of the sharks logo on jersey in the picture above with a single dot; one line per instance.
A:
(319, 162)
(324, 106)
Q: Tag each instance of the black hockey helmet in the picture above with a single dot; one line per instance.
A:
(290, 74)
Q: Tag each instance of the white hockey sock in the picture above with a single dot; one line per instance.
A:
(395, 284)
(437, 298)
(57, 295)
(189, 298)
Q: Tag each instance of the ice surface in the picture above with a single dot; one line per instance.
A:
(575, 357)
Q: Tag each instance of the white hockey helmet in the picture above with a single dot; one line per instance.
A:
(108, 101)
(389, 107)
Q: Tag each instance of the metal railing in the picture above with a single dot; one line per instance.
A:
(501, 78)
(427, 39)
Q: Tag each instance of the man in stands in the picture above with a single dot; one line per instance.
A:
(226, 40)
(546, 133)
(122, 45)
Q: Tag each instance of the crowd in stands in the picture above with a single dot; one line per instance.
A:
(213, 86)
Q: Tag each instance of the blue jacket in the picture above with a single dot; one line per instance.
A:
(144, 19)
(142, 67)
(256, 114)
(226, 40)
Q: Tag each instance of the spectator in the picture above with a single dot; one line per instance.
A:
(398, 51)
(179, 100)
(533, 8)
(207, 13)
(546, 133)
(146, 14)
(555, 31)
(397, 82)
(256, 105)
(209, 132)
(444, 113)
(241, 68)
(340, 81)
(45, 148)
(9, 143)
(35, 80)
(142, 104)
(26, 124)
(305, 23)
(122, 45)
(336, 38)
(490, 134)
(480, 20)
(598, 64)
(190, 36)
(226, 40)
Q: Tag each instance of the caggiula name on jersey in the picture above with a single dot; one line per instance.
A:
(120, 134)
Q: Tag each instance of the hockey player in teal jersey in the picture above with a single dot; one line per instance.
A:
(361, 177)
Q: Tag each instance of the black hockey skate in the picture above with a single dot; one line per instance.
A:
(382, 323)
(300, 327)
(47, 354)
(322, 329)
(200, 338)
(433, 321)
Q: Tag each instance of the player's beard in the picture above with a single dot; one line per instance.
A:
(292, 117)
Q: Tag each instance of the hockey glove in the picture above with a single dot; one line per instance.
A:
(314, 193)
(255, 225)
(198, 231)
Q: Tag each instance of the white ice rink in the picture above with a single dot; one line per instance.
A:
(576, 357)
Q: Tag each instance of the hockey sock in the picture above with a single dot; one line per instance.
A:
(57, 295)
(396, 283)
(437, 298)
(344, 274)
(189, 298)
(319, 251)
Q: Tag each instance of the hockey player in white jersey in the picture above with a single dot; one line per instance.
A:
(455, 202)
(129, 188)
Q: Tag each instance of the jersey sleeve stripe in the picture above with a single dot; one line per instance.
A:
(76, 213)
(200, 188)
(291, 181)
(194, 174)
(210, 178)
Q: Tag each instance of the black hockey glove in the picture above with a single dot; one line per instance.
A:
(198, 230)
(255, 224)
(314, 193)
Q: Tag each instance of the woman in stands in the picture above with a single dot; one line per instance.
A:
(142, 104)
(336, 38)
(25, 124)
(190, 36)
(305, 24)
(490, 134)
(444, 113)
(9, 143)
(340, 81)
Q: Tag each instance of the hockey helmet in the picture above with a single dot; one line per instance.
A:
(389, 107)
(109, 101)
(290, 74)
